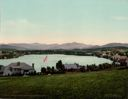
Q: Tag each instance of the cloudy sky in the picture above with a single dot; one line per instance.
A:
(62, 21)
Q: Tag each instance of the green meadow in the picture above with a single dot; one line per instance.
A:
(111, 84)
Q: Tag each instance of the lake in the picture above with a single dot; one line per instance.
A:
(52, 59)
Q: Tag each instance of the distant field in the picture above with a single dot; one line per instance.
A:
(91, 85)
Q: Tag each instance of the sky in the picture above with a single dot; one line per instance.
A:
(63, 21)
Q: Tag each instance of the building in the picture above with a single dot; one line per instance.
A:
(18, 68)
(118, 57)
(74, 67)
(71, 66)
(117, 63)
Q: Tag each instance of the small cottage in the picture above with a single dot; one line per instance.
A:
(18, 68)
(71, 66)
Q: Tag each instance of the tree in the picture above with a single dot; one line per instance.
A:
(43, 70)
(53, 70)
(60, 66)
(49, 70)
(82, 68)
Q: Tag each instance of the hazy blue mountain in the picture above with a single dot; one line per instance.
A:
(68, 46)
(38, 46)
(116, 45)
(35, 46)
(7, 46)
(74, 45)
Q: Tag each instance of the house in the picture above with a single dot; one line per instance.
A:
(118, 57)
(20, 68)
(74, 67)
(71, 66)
(117, 63)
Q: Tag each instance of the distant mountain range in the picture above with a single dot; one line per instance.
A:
(66, 46)
(116, 45)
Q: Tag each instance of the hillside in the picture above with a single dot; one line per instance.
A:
(35, 46)
(116, 45)
(65, 46)
(6, 46)
(91, 85)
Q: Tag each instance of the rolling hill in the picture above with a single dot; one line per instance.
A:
(66, 46)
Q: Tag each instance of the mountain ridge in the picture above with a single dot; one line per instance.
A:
(66, 46)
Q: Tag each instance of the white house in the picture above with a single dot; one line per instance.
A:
(18, 68)
(117, 63)
(118, 57)
(71, 66)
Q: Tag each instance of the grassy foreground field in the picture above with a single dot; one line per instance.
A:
(91, 85)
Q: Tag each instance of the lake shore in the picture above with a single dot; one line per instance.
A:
(53, 58)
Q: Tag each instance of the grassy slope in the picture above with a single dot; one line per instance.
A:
(72, 86)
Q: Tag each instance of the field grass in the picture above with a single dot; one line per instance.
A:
(91, 85)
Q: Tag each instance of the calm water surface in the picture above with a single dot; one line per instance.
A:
(52, 59)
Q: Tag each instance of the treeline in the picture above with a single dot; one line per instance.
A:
(61, 69)
(80, 52)
(59, 51)
(51, 70)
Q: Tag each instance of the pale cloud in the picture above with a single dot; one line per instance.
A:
(26, 27)
(21, 26)
(120, 18)
(23, 30)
